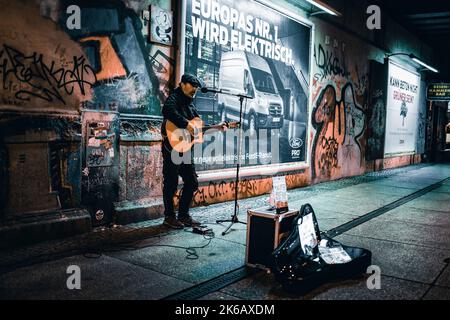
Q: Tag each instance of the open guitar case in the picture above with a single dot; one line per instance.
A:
(301, 268)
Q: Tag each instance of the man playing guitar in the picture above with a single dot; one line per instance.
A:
(179, 109)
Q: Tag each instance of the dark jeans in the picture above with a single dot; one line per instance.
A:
(171, 172)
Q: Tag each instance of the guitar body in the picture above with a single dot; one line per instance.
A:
(182, 141)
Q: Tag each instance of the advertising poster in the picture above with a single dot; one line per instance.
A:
(279, 196)
(403, 98)
(244, 47)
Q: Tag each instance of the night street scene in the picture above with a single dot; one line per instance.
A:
(225, 158)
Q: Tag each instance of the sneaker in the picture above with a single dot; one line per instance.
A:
(172, 222)
(188, 221)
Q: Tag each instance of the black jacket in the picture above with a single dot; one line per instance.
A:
(179, 109)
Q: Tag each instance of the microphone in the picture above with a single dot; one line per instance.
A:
(205, 90)
(226, 91)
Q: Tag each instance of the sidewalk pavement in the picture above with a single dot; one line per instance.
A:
(410, 244)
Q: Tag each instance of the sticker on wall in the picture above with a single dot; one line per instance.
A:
(100, 149)
(161, 25)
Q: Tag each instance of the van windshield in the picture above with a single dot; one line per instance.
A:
(263, 81)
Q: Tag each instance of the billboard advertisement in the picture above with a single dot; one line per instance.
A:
(403, 99)
(245, 47)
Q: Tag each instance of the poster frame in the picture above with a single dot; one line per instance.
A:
(260, 170)
(405, 153)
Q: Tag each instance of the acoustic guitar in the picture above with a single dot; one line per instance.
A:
(181, 140)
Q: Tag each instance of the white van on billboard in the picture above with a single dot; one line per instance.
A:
(250, 74)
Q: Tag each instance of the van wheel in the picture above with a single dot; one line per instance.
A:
(252, 125)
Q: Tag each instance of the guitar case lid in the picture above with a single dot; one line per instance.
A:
(307, 258)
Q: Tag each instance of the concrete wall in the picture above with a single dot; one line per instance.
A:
(43, 70)
(50, 73)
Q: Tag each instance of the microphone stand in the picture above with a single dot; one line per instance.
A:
(234, 219)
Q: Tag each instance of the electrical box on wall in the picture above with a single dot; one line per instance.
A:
(100, 165)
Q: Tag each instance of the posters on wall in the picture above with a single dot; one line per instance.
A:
(247, 48)
(403, 99)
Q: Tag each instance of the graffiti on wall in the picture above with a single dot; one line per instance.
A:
(376, 112)
(108, 63)
(340, 94)
(132, 74)
(224, 190)
(140, 171)
(376, 125)
(328, 64)
(421, 125)
(27, 76)
(421, 121)
(41, 68)
(339, 124)
(164, 71)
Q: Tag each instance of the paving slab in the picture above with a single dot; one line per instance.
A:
(426, 173)
(438, 293)
(429, 204)
(425, 179)
(444, 189)
(167, 257)
(438, 196)
(236, 234)
(325, 212)
(364, 195)
(417, 215)
(326, 224)
(101, 278)
(265, 287)
(399, 260)
(379, 190)
(405, 232)
(351, 207)
(444, 279)
(398, 183)
(435, 171)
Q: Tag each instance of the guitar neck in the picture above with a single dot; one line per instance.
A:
(213, 126)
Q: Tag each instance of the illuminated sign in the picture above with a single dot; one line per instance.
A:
(438, 91)
(402, 111)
